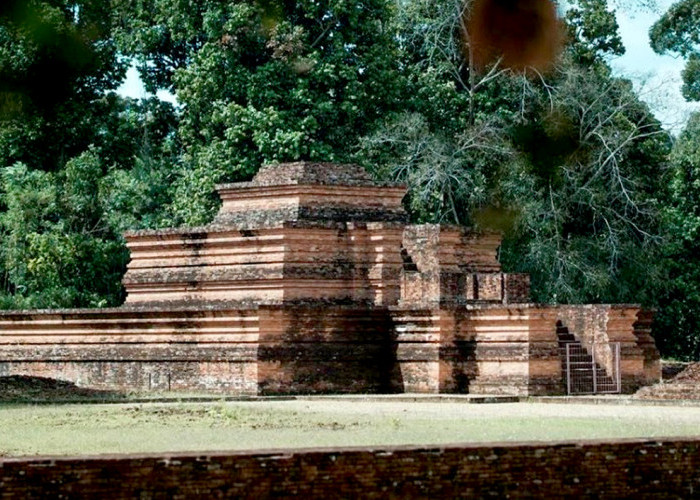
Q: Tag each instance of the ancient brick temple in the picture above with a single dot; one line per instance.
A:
(311, 280)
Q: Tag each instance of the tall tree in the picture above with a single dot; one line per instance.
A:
(678, 32)
(77, 162)
(593, 32)
(588, 228)
(60, 232)
(565, 163)
(56, 63)
(678, 319)
(262, 81)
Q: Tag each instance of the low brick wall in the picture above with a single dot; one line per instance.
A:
(623, 469)
(307, 349)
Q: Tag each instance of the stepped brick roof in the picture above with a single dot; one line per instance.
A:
(308, 192)
(310, 173)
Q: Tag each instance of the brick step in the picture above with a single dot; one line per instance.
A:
(579, 359)
(589, 376)
(562, 348)
(601, 379)
(581, 364)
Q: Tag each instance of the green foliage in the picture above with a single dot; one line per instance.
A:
(53, 251)
(60, 232)
(678, 32)
(139, 148)
(67, 148)
(262, 82)
(691, 78)
(449, 137)
(678, 322)
(445, 174)
(592, 31)
(590, 215)
(56, 62)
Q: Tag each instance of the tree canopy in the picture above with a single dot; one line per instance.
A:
(678, 32)
(678, 320)
(262, 82)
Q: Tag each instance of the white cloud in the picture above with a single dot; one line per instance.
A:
(133, 87)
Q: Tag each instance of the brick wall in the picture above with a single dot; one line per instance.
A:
(652, 358)
(623, 469)
(143, 350)
(313, 348)
(517, 288)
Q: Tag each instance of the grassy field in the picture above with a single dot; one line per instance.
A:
(161, 427)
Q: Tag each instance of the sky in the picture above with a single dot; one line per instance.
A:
(657, 78)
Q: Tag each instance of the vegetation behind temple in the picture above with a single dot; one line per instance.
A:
(594, 198)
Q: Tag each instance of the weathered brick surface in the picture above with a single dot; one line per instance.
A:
(623, 469)
(228, 377)
(297, 349)
(314, 174)
(353, 262)
(652, 358)
(449, 265)
(516, 288)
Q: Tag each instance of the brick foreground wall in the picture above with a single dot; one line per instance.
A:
(623, 469)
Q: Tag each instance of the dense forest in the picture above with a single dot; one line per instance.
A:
(595, 199)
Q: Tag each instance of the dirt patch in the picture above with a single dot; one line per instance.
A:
(22, 388)
(685, 385)
(671, 369)
(690, 375)
(235, 416)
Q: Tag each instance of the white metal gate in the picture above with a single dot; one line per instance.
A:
(587, 375)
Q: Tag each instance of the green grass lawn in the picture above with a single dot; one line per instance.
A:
(161, 427)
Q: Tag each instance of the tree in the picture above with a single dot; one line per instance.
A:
(678, 32)
(678, 319)
(52, 250)
(262, 82)
(592, 32)
(566, 164)
(57, 62)
(451, 130)
(71, 151)
(588, 228)
(60, 232)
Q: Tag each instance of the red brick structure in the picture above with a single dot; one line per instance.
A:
(664, 468)
(311, 280)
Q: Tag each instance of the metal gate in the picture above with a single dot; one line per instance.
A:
(587, 375)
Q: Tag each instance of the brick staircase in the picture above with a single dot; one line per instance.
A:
(581, 366)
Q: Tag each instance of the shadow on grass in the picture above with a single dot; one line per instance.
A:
(21, 389)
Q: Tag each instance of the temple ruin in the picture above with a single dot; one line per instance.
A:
(311, 280)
